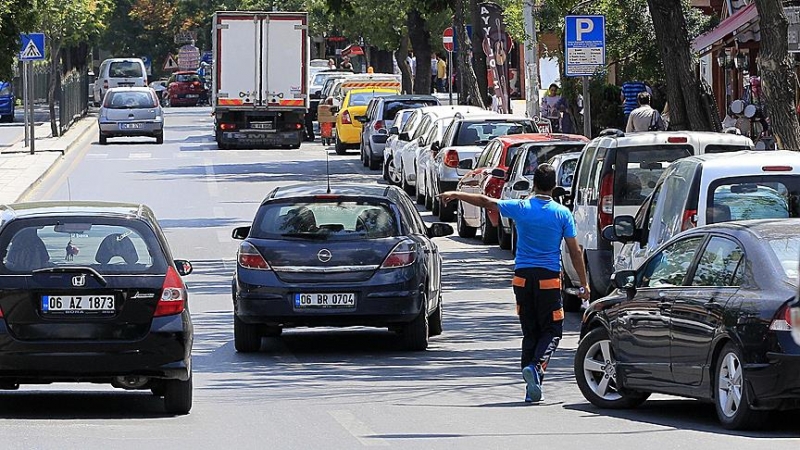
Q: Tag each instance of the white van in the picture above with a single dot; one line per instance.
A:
(615, 174)
(119, 72)
(708, 189)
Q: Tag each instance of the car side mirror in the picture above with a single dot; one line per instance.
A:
(404, 137)
(467, 164)
(623, 229)
(183, 267)
(394, 130)
(623, 279)
(240, 233)
(498, 173)
(435, 147)
(522, 185)
(440, 229)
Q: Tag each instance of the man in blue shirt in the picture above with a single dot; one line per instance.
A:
(541, 225)
(630, 91)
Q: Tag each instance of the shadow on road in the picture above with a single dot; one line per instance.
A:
(50, 405)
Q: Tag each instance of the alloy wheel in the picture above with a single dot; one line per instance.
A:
(394, 175)
(729, 385)
(599, 370)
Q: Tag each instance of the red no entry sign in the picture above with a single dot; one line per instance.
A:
(447, 39)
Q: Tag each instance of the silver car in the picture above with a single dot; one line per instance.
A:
(131, 111)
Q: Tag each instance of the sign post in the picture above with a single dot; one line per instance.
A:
(447, 42)
(32, 49)
(25, 100)
(585, 45)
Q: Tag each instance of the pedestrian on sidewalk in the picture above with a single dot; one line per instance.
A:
(441, 75)
(542, 224)
(645, 117)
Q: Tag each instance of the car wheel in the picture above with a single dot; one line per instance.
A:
(464, 230)
(178, 396)
(436, 206)
(415, 333)
(103, 139)
(445, 211)
(363, 154)
(732, 398)
(386, 171)
(160, 138)
(595, 372)
(435, 321)
(514, 238)
(420, 194)
(372, 163)
(246, 337)
(488, 231)
(394, 174)
(428, 198)
(339, 147)
(572, 303)
(503, 238)
(272, 331)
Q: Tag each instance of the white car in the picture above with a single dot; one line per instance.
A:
(616, 173)
(392, 142)
(708, 189)
(119, 72)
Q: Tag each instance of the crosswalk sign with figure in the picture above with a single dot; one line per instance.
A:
(32, 48)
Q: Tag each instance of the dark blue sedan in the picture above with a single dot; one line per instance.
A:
(354, 256)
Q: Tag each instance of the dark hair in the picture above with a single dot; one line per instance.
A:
(544, 178)
(643, 98)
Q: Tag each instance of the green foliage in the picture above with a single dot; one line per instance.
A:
(71, 22)
(16, 16)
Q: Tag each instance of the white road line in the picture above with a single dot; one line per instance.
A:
(140, 155)
(97, 156)
(213, 189)
(357, 428)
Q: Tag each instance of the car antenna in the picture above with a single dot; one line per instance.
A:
(328, 171)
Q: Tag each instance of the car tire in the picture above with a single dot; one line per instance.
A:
(339, 147)
(436, 206)
(272, 331)
(595, 372)
(732, 396)
(246, 337)
(435, 321)
(572, 303)
(428, 198)
(372, 163)
(464, 230)
(363, 154)
(445, 211)
(415, 333)
(488, 231)
(420, 195)
(178, 396)
(102, 139)
(386, 172)
(503, 238)
(160, 138)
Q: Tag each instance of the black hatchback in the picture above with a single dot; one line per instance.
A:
(358, 255)
(89, 292)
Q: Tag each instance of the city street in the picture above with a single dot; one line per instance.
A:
(328, 388)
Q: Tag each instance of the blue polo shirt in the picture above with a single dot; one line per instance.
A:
(541, 226)
(631, 90)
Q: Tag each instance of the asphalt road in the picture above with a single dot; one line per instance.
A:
(325, 388)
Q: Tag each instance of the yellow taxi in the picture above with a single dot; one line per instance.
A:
(348, 129)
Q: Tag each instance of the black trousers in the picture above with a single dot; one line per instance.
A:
(541, 314)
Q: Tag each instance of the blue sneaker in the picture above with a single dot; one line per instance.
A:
(534, 387)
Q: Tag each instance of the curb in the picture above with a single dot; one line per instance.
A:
(81, 136)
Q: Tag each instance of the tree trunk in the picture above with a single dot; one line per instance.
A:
(477, 52)
(55, 75)
(405, 70)
(687, 111)
(777, 78)
(421, 42)
(468, 93)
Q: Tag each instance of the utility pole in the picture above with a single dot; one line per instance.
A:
(531, 61)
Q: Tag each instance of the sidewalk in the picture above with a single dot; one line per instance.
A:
(20, 171)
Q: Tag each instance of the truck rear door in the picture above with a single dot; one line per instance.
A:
(237, 59)
(285, 55)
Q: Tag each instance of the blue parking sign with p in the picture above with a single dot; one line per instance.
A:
(584, 44)
(32, 48)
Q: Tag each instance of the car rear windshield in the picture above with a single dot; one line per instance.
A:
(106, 245)
(480, 133)
(125, 69)
(326, 219)
(187, 77)
(129, 100)
(390, 108)
(540, 154)
(637, 170)
(761, 197)
(722, 148)
(786, 250)
(362, 98)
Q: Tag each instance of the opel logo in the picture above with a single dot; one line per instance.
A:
(79, 280)
(324, 255)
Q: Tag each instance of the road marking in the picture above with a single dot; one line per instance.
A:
(357, 428)
(213, 189)
(97, 156)
(140, 155)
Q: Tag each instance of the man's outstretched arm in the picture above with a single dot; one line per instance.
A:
(479, 200)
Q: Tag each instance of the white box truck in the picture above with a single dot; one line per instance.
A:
(260, 83)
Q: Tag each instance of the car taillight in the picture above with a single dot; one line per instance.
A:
(451, 158)
(689, 219)
(677, 139)
(606, 214)
(782, 320)
(346, 117)
(298, 126)
(173, 295)
(250, 257)
(404, 254)
(378, 125)
(227, 126)
(196, 83)
(776, 168)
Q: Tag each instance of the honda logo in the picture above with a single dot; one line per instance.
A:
(79, 280)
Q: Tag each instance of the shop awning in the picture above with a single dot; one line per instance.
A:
(740, 19)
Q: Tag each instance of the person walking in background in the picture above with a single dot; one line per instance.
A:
(346, 64)
(551, 107)
(630, 89)
(542, 224)
(331, 64)
(434, 71)
(665, 115)
(441, 74)
(644, 118)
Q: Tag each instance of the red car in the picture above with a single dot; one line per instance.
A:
(185, 89)
(489, 175)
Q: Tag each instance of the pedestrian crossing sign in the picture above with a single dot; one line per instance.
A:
(32, 48)
(170, 63)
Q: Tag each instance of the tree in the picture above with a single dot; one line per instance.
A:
(16, 16)
(778, 80)
(469, 92)
(68, 22)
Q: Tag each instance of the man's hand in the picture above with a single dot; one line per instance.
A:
(448, 196)
(585, 293)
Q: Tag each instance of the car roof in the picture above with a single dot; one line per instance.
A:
(662, 137)
(15, 211)
(760, 228)
(541, 137)
(493, 116)
(399, 97)
(747, 158)
(130, 88)
(367, 90)
(185, 72)
(309, 189)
